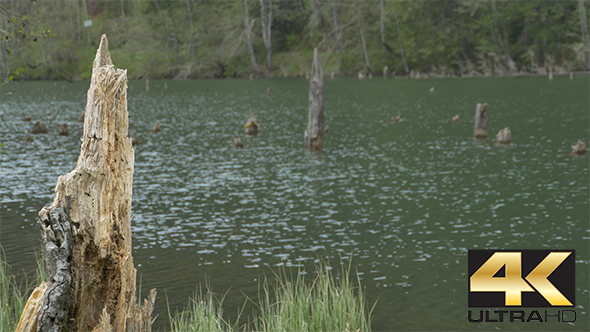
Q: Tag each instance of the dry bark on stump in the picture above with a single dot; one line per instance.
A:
(481, 121)
(96, 202)
(314, 134)
(29, 317)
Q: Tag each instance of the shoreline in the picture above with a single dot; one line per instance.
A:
(417, 76)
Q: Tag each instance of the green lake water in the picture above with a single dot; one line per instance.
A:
(405, 200)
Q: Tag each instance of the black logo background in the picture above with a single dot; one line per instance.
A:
(563, 278)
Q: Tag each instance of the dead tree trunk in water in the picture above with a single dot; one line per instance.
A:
(95, 271)
(266, 15)
(314, 134)
(249, 38)
(481, 121)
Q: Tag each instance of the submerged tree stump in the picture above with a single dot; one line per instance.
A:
(39, 128)
(92, 269)
(481, 121)
(157, 128)
(579, 148)
(314, 134)
(238, 143)
(63, 129)
(504, 137)
(251, 126)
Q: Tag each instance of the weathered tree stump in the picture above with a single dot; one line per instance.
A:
(396, 118)
(481, 121)
(81, 117)
(314, 134)
(455, 118)
(26, 118)
(238, 143)
(91, 269)
(385, 70)
(431, 91)
(30, 139)
(268, 91)
(504, 137)
(135, 141)
(30, 316)
(63, 129)
(579, 148)
(39, 128)
(157, 128)
(251, 126)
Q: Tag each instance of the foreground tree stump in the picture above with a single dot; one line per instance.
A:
(87, 230)
(481, 121)
(29, 318)
(314, 134)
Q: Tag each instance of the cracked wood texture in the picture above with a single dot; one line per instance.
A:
(96, 198)
(314, 134)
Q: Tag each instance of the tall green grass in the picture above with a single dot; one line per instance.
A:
(328, 303)
(205, 313)
(12, 298)
(14, 295)
(287, 303)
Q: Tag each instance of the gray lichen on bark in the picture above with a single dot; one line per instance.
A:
(58, 305)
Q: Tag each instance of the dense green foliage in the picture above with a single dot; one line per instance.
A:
(206, 38)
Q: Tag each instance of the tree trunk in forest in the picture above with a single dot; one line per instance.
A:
(266, 20)
(481, 121)
(401, 44)
(249, 38)
(86, 230)
(337, 27)
(383, 42)
(367, 64)
(585, 33)
(314, 134)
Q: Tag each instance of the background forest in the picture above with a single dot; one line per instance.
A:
(183, 39)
